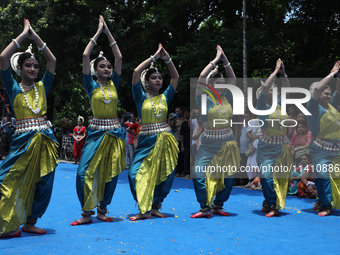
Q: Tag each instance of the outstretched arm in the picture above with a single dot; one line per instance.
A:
(269, 81)
(145, 64)
(282, 72)
(115, 49)
(50, 58)
(172, 69)
(11, 48)
(319, 88)
(205, 72)
(231, 77)
(89, 48)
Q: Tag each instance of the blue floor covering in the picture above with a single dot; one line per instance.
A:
(297, 231)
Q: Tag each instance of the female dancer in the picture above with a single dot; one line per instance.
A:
(325, 147)
(152, 172)
(273, 149)
(79, 134)
(218, 145)
(27, 173)
(103, 156)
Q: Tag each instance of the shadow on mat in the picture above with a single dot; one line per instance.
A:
(49, 231)
(259, 212)
(168, 215)
(311, 211)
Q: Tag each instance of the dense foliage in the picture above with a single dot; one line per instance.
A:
(303, 33)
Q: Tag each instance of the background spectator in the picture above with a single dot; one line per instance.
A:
(175, 122)
(7, 130)
(185, 143)
(300, 141)
(131, 128)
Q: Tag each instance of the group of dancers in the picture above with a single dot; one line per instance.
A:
(27, 173)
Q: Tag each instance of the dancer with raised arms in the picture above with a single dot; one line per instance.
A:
(27, 173)
(103, 156)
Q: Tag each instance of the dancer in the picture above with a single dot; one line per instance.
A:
(27, 173)
(218, 145)
(273, 148)
(325, 146)
(103, 156)
(79, 134)
(152, 172)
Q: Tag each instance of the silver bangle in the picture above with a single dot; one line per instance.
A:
(227, 65)
(272, 75)
(113, 43)
(153, 58)
(310, 183)
(169, 61)
(332, 75)
(93, 40)
(42, 47)
(16, 43)
(214, 66)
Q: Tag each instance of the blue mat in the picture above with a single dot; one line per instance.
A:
(246, 231)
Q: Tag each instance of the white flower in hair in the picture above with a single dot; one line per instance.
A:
(80, 118)
(15, 57)
(101, 55)
(312, 87)
(143, 78)
(212, 72)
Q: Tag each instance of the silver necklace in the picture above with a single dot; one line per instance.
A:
(337, 120)
(37, 110)
(221, 110)
(278, 116)
(108, 89)
(158, 116)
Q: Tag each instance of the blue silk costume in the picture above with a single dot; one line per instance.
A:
(216, 187)
(103, 155)
(27, 173)
(324, 150)
(273, 151)
(152, 171)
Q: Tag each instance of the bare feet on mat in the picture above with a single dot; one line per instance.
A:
(220, 212)
(140, 216)
(103, 217)
(272, 213)
(206, 214)
(157, 213)
(317, 207)
(325, 213)
(82, 221)
(15, 233)
(33, 229)
(265, 209)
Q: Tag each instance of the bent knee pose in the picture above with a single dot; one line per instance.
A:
(103, 156)
(218, 146)
(273, 148)
(324, 150)
(27, 173)
(152, 172)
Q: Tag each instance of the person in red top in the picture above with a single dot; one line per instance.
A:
(132, 127)
(79, 134)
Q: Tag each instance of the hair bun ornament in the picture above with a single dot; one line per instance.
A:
(143, 79)
(15, 57)
(101, 55)
(312, 87)
(259, 90)
(212, 72)
(80, 118)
